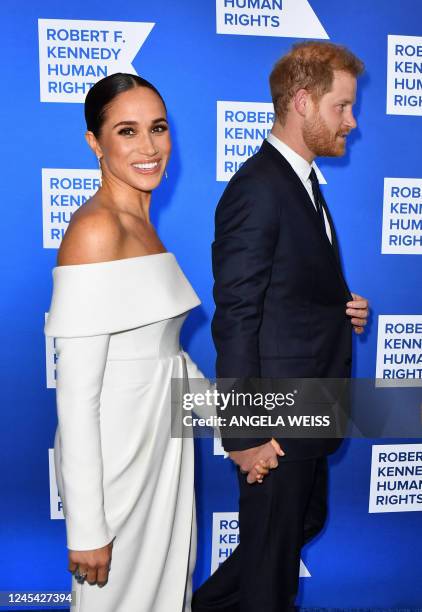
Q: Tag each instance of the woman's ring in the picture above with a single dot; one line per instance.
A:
(80, 577)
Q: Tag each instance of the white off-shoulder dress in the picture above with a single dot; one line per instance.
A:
(120, 473)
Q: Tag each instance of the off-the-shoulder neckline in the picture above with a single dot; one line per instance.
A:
(112, 261)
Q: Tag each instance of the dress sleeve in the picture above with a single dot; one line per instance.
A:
(80, 370)
(199, 383)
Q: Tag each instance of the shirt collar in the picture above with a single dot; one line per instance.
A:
(299, 165)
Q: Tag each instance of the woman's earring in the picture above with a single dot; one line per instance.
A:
(165, 174)
(101, 170)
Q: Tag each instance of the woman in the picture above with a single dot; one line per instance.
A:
(118, 304)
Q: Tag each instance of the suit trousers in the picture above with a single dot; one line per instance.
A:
(275, 519)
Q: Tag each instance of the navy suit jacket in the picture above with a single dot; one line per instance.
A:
(279, 289)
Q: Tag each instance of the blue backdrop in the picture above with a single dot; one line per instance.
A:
(362, 559)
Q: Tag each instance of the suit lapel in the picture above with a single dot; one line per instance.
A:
(331, 249)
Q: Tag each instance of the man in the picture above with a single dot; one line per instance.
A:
(283, 310)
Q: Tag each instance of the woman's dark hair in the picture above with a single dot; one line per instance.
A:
(100, 96)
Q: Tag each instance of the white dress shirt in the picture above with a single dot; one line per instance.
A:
(302, 169)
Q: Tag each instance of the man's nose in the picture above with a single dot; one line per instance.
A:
(351, 121)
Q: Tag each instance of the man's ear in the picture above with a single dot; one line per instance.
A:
(301, 101)
(93, 144)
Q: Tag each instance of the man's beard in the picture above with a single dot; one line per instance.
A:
(320, 140)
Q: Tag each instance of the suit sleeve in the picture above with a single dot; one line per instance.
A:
(80, 370)
(246, 234)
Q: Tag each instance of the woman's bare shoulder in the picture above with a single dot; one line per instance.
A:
(94, 235)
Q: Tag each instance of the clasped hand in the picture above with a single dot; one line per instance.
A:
(256, 462)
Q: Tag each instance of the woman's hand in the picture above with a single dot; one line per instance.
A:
(94, 564)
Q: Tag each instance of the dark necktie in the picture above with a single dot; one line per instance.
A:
(320, 204)
(317, 196)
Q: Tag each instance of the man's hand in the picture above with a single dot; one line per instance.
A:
(258, 461)
(358, 310)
